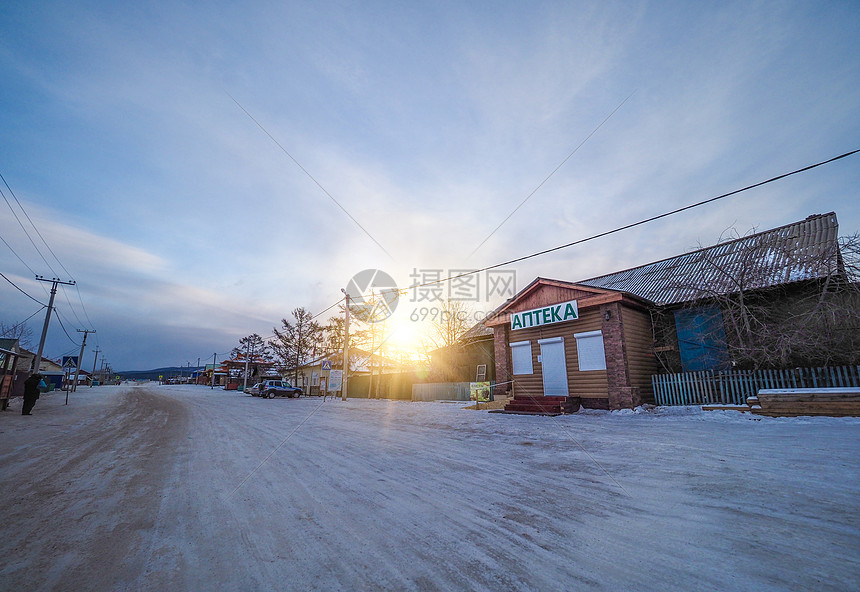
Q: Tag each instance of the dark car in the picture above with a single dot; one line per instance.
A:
(275, 388)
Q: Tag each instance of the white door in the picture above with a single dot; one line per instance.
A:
(553, 366)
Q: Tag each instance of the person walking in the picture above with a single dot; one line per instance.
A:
(31, 393)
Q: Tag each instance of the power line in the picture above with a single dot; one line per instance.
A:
(84, 308)
(18, 256)
(45, 242)
(32, 315)
(327, 309)
(26, 232)
(311, 177)
(57, 313)
(34, 228)
(20, 290)
(541, 184)
(632, 224)
(72, 308)
(405, 291)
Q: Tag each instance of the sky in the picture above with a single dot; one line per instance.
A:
(202, 170)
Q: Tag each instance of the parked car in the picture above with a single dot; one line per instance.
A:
(274, 388)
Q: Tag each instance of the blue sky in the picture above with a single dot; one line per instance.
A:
(187, 227)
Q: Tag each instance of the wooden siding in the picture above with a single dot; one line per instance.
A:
(591, 384)
(641, 361)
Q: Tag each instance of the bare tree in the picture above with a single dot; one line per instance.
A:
(772, 308)
(451, 323)
(19, 331)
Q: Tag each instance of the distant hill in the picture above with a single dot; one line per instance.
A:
(154, 374)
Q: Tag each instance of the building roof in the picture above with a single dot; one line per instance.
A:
(476, 331)
(804, 250)
(8, 343)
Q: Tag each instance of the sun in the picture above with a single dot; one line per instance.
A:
(404, 334)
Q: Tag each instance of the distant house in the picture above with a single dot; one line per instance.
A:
(314, 376)
(233, 371)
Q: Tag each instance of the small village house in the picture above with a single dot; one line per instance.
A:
(597, 342)
(471, 359)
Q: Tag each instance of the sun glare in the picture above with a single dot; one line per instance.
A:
(406, 336)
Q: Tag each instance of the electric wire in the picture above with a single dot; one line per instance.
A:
(311, 177)
(36, 229)
(26, 232)
(48, 246)
(18, 256)
(404, 291)
(626, 226)
(69, 302)
(22, 291)
(84, 308)
(547, 178)
(57, 313)
(32, 315)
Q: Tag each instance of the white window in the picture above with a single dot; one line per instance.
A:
(481, 374)
(589, 350)
(521, 356)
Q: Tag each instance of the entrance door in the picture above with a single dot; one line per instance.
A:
(553, 366)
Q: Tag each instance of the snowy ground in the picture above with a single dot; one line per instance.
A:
(186, 488)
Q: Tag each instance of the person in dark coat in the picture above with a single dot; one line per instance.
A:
(31, 393)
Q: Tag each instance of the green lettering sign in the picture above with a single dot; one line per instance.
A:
(546, 315)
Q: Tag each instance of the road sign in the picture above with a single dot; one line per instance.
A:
(335, 381)
(70, 361)
(326, 365)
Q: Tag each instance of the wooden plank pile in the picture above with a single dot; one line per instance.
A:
(833, 402)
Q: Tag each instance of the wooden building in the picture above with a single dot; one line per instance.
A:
(597, 341)
(576, 344)
(471, 359)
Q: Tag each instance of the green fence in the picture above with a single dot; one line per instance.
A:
(440, 391)
(732, 387)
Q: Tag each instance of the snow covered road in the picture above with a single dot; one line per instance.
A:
(187, 488)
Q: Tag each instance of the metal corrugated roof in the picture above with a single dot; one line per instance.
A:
(800, 251)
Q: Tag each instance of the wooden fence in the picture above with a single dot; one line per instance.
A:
(732, 387)
(444, 391)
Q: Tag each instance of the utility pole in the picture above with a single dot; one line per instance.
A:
(214, 357)
(95, 359)
(197, 378)
(247, 353)
(345, 347)
(38, 359)
(80, 359)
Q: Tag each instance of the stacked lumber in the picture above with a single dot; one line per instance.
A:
(833, 402)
